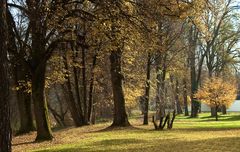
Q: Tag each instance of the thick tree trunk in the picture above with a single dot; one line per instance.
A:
(194, 80)
(120, 116)
(186, 113)
(5, 127)
(147, 91)
(40, 105)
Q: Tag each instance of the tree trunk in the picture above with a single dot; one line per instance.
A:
(224, 110)
(213, 112)
(179, 109)
(91, 88)
(5, 127)
(71, 101)
(25, 111)
(40, 105)
(24, 100)
(120, 118)
(216, 115)
(147, 91)
(193, 75)
(84, 85)
(186, 113)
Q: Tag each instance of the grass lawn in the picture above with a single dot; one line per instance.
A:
(198, 134)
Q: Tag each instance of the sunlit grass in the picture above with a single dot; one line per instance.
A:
(189, 134)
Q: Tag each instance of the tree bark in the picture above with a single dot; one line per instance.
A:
(216, 115)
(193, 75)
(120, 118)
(24, 100)
(40, 105)
(186, 113)
(84, 84)
(71, 101)
(5, 127)
(91, 88)
(179, 109)
(224, 110)
(147, 91)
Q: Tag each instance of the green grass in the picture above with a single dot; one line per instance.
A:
(189, 134)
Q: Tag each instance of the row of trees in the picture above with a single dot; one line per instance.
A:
(81, 59)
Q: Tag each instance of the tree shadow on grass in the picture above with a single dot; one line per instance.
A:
(221, 118)
(163, 145)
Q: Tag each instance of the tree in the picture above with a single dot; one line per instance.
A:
(216, 92)
(5, 128)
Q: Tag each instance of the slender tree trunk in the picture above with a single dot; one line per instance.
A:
(216, 115)
(91, 88)
(25, 111)
(147, 91)
(84, 83)
(179, 109)
(24, 101)
(40, 104)
(120, 116)
(5, 127)
(71, 101)
(186, 113)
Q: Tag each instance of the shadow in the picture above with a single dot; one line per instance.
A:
(118, 142)
(111, 128)
(221, 118)
(25, 143)
(205, 129)
(163, 145)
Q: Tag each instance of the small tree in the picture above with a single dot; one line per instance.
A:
(216, 92)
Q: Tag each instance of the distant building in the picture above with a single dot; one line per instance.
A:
(235, 107)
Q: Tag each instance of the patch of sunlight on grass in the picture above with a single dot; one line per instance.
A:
(189, 134)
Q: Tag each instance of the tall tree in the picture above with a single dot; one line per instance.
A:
(5, 128)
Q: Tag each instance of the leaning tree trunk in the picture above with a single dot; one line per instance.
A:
(120, 116)
(147, 91)
(71, 101)
(40, 105)
(5, 127)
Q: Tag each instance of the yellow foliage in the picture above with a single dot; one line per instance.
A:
(216, 92)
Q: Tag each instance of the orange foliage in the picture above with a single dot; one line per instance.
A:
(216, 92)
